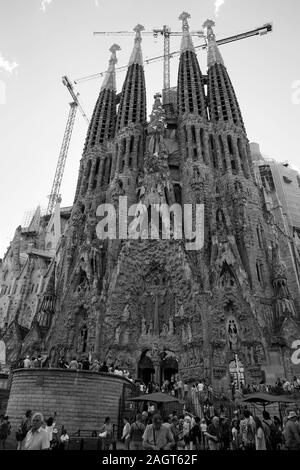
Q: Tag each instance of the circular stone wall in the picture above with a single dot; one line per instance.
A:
(81, 399)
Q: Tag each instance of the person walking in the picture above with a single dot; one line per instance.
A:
(247, 427)
(5, 428)
(260, 439)
(64, 440)
(106, 433)
(136, 432)
(23, 429)
(291, 432)
(126, 433)
(37, 437)
(213, 434)
(157, 436)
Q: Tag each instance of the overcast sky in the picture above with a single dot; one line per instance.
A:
(41, 40)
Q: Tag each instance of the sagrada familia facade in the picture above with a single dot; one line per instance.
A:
(229, 310)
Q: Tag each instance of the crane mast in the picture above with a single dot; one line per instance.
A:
(54, 195)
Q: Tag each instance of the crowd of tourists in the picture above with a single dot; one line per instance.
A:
(215, 431)
(149, 431)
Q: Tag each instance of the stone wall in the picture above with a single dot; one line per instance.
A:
(81, 400)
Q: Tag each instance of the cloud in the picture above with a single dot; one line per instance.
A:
(218, 4)
(7, 66)
(44, 4)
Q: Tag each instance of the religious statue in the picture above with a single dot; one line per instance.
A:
(232, 334)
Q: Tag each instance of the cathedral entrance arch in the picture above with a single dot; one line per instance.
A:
(168, 368)
(145, 368)
(237, 372)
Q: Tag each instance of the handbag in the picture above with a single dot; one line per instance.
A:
(103, 434)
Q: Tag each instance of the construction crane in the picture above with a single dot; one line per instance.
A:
(166, 32)
(74, 105)
(262, 30)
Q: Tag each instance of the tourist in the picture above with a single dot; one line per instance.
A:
(247, 427)
(277, 433)
(85, 364)
(5, 428)
(95, 366)
(180, 389)
(27, 362)
(157, 436)
(50, 425)
(235, 435)
(196, 434)
(73, 364)
(137, 430)
(64, 440)
(203, 427)
(126, 433)
(268, 428)
(37, 437)
(23, 429)
(37, 363)
(187, 426)
(151, 408)
(55, 442)
(106, 433)
(185, 391)
(118, 371)
(62, 363)
(175, 429)
(104, 367)
(180, 439)
(145, 418)
(260, 438)
(32, 366)
(213, 434)
(225, 433)
(291, 432)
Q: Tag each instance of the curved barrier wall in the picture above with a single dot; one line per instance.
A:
(81, 399)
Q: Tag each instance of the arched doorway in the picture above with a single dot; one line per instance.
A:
(168, 368)
(145, 369)
(237, 372)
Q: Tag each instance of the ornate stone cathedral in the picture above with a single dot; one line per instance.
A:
(153, 307)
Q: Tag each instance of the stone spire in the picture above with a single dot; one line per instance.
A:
(102, 125)
(109, 82)
(222, 101)
(190, 88)
(136, 55)
(213, 54)
(186, 41)
(133, 97)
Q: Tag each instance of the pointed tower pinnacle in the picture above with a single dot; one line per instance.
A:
(109, 82)
(137, 56)
(213, 54)
(102, 125)
(186, 41)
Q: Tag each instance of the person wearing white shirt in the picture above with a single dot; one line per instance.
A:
(37, 437)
